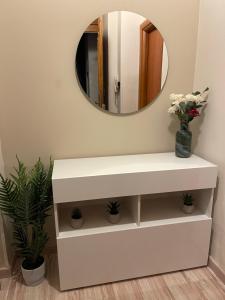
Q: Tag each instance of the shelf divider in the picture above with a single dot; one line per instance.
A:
(136, 209)
(55, 208)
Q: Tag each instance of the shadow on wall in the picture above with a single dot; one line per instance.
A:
(215, 199)
(50, 227)
(196, 129)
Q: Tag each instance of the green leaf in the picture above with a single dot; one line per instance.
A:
(26, 198)
(196, 93)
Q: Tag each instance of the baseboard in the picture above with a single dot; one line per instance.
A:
(5, 273)
(216, 269)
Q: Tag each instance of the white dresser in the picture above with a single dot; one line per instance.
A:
(153, 236)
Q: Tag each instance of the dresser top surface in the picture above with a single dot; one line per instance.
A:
(138, 163)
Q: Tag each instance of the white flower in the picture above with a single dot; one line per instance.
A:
(175, 97)
(178, 101)
(176, 104)
(172, 97)
(172, 109)
(190, 97)
(180, 96)
(199, 99)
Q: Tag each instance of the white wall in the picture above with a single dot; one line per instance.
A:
(113, 58)
(165, 65)
(210, 71)
(130, 55)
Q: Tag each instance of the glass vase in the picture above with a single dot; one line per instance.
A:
(183, 141)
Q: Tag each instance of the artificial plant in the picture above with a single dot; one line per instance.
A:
(187, 107)
(26, 197)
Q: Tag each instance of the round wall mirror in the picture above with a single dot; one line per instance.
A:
(121, 62)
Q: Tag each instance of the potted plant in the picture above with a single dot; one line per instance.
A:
(186, 107)
(26, 197)
(76, 218)
(188, 205)
(113, 212)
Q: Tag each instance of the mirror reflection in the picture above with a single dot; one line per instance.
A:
(121, 62)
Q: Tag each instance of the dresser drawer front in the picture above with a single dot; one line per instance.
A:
(107, 257)
(94, 187)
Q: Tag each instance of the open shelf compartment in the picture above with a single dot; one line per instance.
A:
(94, 213)
(167, 207)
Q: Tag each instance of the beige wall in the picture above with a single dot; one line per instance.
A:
(2, 252)
(3, 256)
(2, 171)
(210, 71)
(43, 110)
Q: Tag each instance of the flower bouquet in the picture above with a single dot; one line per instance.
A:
(186, 107)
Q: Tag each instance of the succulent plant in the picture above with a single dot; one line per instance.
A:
(113, 207)
(76, 214)
(188, 199)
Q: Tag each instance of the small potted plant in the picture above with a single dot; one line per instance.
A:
(76, 218)
(113, 212)
(26, 197)
(188, 205)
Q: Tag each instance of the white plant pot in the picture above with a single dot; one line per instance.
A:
(188, 209)
(35, 276)
(76, 223)
(114, 219)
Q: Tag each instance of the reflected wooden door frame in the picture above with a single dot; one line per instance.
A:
(153, 83)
